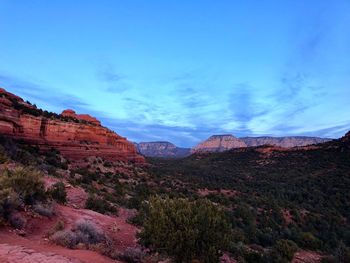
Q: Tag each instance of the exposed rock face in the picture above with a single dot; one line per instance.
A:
(162, 149)
(346, 136)
(20, 254)
(75, 136)
(285, 142)
(83, 117)
(219, 143)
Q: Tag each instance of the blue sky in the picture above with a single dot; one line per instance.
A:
(182, 70)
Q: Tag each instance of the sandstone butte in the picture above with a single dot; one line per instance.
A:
(219, 143)
(76, 136)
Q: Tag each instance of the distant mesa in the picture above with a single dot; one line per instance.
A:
(76, 136)
(225, 142)
(285, 142)
(219, 143)
(162, 149)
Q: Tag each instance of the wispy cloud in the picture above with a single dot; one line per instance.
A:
(243, 104)
(42, 94)
(112, 80)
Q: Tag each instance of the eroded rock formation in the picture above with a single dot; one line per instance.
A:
(162, 149)
(219, 143)
(75, 136)
(285, 142)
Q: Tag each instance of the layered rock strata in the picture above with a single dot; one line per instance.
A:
(75, 136)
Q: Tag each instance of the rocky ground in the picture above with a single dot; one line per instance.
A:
(32, 244)
(20, 254)
(306, 257)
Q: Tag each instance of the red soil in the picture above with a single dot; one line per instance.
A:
(306, 257)
(40, 248)
(35, 247)
(123, 234)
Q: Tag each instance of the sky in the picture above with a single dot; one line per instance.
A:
(182, 70)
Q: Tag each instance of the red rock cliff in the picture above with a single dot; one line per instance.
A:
(75, 136)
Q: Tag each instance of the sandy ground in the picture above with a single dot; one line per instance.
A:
(34, 246)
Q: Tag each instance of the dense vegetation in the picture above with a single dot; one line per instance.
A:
(185, 230)
(301, 196)
(19, 187)
(264, 204)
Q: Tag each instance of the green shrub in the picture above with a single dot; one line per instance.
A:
(99, 205)
(58, 192)
(58, 226)
(185, 230)
(119, 188)
(25, 182)
(65, 238)
(308, 240)
(3, 156)
(88, 233)
(252, 256)
(84, 232)
(132, 255)
(343, 253)
(9, 202)
(16, 220)
(286, 249)
(329, 259)
(53, 158)
(47, 210)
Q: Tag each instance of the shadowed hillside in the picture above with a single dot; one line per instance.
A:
(300, 194)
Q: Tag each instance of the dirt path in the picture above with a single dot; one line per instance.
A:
(14, 248)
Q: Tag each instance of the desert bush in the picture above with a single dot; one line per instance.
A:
(286, 248)
(3, 155)
(58, 192)
(53, 158)
(342, 253)
(65, 238)
(25, 182)
(16, 220)
(84, 232)
(119, 188)
(99, 205)
(47, 210)
(58, 226)
(107, 164)
(88, 233)
(185, 230)
(9, 202)
(106, 248)
(132, 255)
(2, 222)
(329, 259)
(252, 256)
(308, 240)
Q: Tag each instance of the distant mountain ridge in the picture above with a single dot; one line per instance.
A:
(162, 149)
(285, 142)
(220, 143)
(224, 142)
